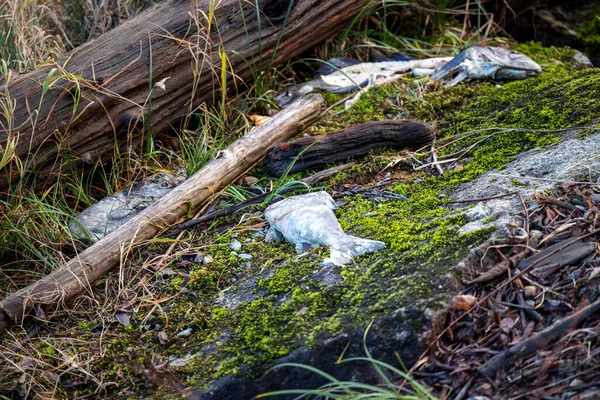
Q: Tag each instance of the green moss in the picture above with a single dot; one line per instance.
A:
(423, 246)
(289, 307)
(372, 106)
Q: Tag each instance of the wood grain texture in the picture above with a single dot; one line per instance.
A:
(356, 141)
(111, 77)
(77, 275)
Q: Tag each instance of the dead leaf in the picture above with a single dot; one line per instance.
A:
(51, 376)
(558, 230)
(258, 119)
(123, 318)
(163, 338)
(249, 180)
(595, 272)
(27, 363)
(167, 271)
(507, 324)
(464, 301)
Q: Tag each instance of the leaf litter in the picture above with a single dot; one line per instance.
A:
(528, 325)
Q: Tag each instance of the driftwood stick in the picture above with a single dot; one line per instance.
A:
(545, 338)
(79, 273)
(309, 180)
(356, 141)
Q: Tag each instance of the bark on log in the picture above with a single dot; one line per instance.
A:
(78, 274)
(356, 141)
(105, 94)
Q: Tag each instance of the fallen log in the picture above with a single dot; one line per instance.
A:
(79, 273)
(137, 79)
(356, 141)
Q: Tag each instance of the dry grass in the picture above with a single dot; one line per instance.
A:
(34, 32)
(26, 39)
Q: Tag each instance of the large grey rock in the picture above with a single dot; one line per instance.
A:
(536, 171)
(108, 214)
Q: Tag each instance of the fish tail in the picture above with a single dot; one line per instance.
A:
(344, 253)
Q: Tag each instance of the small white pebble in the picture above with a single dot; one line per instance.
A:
(207, 260)
(245, 256)
(185, 333)
(303, 310)
(235, 245)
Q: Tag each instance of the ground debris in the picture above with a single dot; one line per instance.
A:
(532, 330)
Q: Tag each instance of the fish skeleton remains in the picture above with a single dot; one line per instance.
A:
(476, 62)
(360, 76)
(309, 220)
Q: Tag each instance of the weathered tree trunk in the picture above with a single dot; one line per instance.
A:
(355, 141)
(144, 74)
(79, 273)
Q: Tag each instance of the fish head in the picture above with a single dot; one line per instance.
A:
(480, 62)
(510, 59)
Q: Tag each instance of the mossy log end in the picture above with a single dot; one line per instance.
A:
(143, 75)
(79, 273)
(356, 141)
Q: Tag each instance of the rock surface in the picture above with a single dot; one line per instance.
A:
(298, 311)
(108, 214)
(534, 171)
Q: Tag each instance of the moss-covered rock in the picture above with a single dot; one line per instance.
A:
(588, 34)
(298, 303)
(279, 306)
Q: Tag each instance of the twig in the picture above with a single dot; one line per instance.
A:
(482, 198)
(540, 341)
(463, 392)
(435, 160)
(534, 178)
(558, 203)
(504, 284)
(499, 269)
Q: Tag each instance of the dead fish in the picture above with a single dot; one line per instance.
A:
(360, 76)
(342, 75)
(309, 220)
(479, 62)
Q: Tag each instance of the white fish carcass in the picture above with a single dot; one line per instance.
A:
(309, 220)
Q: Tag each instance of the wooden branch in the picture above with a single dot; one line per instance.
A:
(316, 152)
(98, 97)
(79, 273)
(540, 341)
